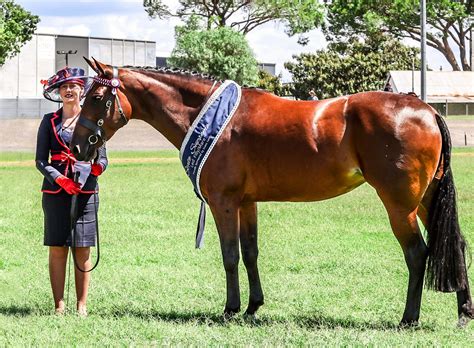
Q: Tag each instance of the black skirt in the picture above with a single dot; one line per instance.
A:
(57, 220)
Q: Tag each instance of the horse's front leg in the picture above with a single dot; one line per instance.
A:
(226, 215)
(249, 245)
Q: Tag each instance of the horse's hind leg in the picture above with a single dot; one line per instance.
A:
(226, 215)
(402, 204)
(405, 227)
(249, 245)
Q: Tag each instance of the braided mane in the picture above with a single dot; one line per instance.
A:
(178, 71)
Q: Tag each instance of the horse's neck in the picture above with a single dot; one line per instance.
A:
(171, 104)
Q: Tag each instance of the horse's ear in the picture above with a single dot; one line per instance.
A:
(91, 64)
(100, 67)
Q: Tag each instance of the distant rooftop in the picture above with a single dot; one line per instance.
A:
(441, 86)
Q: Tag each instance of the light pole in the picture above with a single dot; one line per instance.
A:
(423, 48)
(67, 53)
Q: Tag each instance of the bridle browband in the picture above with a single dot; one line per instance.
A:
(97, 131)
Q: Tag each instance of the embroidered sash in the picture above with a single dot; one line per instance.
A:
(203, 135)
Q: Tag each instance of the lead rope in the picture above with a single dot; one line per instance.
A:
(73, 228)
(68, 280)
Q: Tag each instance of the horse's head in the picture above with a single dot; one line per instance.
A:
(105, 110)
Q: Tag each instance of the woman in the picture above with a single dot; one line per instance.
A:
(56, 162)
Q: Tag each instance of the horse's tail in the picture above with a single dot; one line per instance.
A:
(446, 269)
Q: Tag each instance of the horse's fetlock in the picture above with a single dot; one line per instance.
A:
(468, 310)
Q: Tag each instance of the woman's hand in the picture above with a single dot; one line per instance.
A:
(71, 187)
(96, 169)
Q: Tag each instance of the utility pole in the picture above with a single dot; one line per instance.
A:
(423, 48)
(67, 53)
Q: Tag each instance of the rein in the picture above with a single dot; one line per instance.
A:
(96, 128)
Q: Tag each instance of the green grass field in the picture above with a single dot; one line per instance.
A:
(332, 272)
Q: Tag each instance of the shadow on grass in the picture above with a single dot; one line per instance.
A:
(316, 321)
(172, 316)
(15, 310)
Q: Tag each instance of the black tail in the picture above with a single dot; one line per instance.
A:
(446, 270)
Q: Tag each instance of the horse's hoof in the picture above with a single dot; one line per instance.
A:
(463, 321)
(408, 324)
(250, 318)
(253, 306)
(230, 313)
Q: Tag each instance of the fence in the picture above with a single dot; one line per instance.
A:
(11, 108)
(459, 109)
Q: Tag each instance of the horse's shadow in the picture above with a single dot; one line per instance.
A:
(311, 321)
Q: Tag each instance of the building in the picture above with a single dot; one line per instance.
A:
(21, 91)
(450, 92)
(268, 67)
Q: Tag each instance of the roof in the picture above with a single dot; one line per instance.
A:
(441, 86)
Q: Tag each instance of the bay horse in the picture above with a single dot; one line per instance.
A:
(276, 149)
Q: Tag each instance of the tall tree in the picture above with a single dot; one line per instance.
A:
(347, 68)
(448, 23)
(16, 27)
(221, 52)
(245, 15)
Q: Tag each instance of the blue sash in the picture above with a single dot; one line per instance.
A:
(202, 137)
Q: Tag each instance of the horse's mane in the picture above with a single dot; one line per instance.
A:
(184, 72)
(175, 71)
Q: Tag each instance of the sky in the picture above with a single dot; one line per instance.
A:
(127, 19)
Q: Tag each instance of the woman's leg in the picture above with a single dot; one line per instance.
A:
(82, 279)
(57, 274)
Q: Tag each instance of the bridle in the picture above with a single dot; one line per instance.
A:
(98, 133)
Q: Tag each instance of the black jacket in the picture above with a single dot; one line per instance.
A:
(49, 143)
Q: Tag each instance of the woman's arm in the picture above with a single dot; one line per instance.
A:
(43, 144)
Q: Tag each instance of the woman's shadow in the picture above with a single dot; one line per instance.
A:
(14, 310)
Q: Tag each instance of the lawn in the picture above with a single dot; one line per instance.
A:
(332, 272)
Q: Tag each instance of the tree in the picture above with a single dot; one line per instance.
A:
(221, 52)
(245, 15)
(16, 27)
(448, 23)
(351, 67)
(269, 82)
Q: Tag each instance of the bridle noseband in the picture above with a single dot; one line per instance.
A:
(98, 133)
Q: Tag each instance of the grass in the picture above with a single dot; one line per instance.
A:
(332, 272)
(463, 117)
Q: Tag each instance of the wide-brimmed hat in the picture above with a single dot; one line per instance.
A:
(71, 75)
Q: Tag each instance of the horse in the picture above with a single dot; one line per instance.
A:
(275, 149)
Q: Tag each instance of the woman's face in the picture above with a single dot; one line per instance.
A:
(71, 92)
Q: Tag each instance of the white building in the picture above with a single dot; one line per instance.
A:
(450, 92)
(21, 90)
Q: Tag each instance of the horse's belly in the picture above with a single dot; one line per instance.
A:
(306, 186)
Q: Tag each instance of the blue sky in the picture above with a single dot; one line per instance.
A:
(127, 19)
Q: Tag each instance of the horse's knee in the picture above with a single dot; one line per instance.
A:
(230, 255)
(249, 256)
